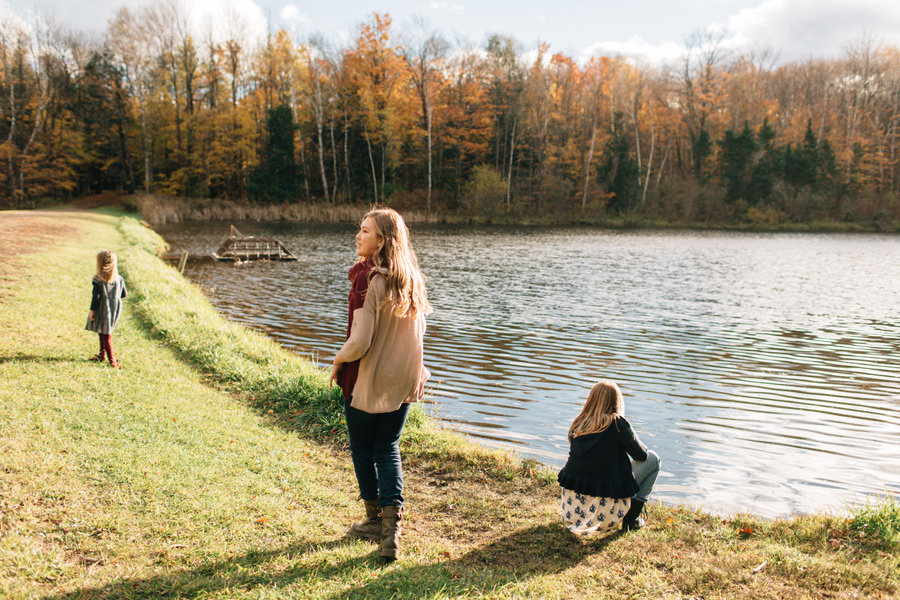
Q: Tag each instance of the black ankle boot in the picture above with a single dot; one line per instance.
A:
(633, 520)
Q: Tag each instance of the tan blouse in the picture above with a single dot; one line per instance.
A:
(389, 349)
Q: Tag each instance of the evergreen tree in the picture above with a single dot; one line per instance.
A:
(737, 162)
(277, 178)
(620, 171)
(702, 150)
(99, 105)
(803, 166)
(828, 167)
(809, 164)
(763, 179)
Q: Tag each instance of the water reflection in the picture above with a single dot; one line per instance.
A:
(761, 367)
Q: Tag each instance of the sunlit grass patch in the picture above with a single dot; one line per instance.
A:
(878, 523)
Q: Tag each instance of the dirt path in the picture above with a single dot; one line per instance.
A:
(23, 233)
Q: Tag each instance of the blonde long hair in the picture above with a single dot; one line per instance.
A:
(396, 259)
(107, 266)
(604, 404)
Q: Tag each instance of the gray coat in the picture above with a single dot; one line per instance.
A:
(106, 302)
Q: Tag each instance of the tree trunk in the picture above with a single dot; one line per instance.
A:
(372, 163)
(177, 107)
(347, 161)
(10, 139)
(148, 149)
(587, 166)
(334, 164)
(305, 166)
(428, 196)
(512, 152)
(662, 166)
(383, 156)
(322, 161)
(649, 158)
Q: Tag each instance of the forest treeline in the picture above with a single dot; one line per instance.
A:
(412, 121)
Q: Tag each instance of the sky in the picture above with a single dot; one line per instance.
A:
(652, 31)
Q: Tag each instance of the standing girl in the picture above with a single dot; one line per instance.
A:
(601, 487)
(380, 368)
(106, 304)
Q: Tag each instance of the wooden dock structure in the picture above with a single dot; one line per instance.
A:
(239, 248)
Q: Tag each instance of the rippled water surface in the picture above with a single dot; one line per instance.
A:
(763, 368)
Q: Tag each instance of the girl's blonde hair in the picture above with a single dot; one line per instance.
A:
(107, 266)
(395, 257)
(604, 404)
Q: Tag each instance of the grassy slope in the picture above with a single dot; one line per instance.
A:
(212, 466)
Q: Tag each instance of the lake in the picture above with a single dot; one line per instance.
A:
(764, 368)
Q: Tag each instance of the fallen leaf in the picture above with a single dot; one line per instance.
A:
(835, 543)
(746, 531)
(262, 520)
(670, 521)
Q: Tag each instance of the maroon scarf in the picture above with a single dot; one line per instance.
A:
(359, 280)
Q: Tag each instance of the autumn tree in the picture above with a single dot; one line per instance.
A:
(425, 54)
(384, 103)
(506, 85)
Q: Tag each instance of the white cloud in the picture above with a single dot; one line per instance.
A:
(292, 15)
(793, 29)
(11, 23)
(636, 49)
(344, 38)
(804, 28)
(451, 6)
(243, 20)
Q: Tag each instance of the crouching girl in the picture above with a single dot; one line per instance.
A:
(601, 487)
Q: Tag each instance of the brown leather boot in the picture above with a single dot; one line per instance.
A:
(390, 531)
(370, 528)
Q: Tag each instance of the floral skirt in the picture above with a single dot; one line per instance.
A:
(591, 514)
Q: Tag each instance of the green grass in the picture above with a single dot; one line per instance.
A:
(878, 523)
(213, 465)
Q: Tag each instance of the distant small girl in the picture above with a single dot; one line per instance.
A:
(106, 304)
(601, 487)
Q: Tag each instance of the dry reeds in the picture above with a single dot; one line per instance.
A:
(162, 210)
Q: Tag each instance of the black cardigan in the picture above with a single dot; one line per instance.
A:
(598, 463)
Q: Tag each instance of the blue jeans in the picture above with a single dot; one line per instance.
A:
(645, 472)
(375, 450)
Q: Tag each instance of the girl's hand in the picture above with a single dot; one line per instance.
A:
(92, 315)
(336, 367)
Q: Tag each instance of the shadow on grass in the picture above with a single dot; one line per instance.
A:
(538, 550)
(241, 573)
(42, 359)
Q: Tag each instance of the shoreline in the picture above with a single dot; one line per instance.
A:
(162, 210)
(214, 464)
